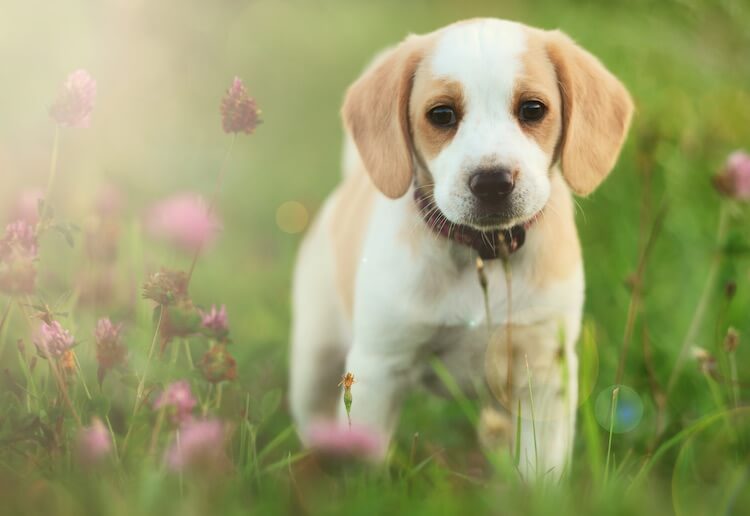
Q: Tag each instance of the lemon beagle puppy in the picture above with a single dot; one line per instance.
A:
(463, 143)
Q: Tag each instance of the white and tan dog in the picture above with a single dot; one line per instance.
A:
(463, 142)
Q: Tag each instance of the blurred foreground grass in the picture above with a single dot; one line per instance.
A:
(162, 68)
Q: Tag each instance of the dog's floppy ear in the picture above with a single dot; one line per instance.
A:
(596, 114)
(376, 112)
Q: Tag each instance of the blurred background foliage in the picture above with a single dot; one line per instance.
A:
(161, 69)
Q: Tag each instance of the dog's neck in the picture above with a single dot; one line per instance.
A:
(489, 245)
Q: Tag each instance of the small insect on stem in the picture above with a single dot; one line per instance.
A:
(347, 381)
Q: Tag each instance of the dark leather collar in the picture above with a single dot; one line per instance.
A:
(489, 244)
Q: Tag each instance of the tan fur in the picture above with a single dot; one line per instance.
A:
(538, 81)
(376, 113)
(429, 92)
(596, 114)
(352, 205)
(559, 254)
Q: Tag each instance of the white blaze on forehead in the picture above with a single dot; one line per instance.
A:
(484, 55)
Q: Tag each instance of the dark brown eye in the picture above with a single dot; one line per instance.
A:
(442, 116)
(532, 111)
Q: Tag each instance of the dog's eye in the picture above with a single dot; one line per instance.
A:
(532, 111)
(442, 116)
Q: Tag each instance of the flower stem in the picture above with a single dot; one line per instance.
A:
(156, 431)
(219, 388)
(613, 412)
(700, 310)
(734, 378)
(52, 171)
(80, 376)
(62, 389)
(509, 330)
(3, 327)
(214, 199)
(142, 383)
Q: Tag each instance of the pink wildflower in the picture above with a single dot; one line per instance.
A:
(75, 102)
(199, 446)
(734, 179)
(331, 438)
(93, 443)
(183, 220)
(20, 236)
(52, 340)
(110, 351)
(239, 112)
(18, 252)
(26, 206)
(216, 321)
(178, 400)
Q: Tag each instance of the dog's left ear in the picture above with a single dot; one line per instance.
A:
(376, 113)
(596, 113)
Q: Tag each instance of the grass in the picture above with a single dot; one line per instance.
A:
(656, 261)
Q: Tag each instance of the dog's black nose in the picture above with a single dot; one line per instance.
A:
(492, 186)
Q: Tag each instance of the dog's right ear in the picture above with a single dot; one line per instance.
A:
(376, 113)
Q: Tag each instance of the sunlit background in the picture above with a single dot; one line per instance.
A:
(162, 68)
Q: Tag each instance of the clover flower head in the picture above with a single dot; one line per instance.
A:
(239, 112)
(184, 221)
(75, 102)
(52, 340)
(178, 399)
(734, 179)
(93, 443)
(199, 447)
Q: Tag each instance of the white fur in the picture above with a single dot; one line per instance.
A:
(484, 56)
(408, 306)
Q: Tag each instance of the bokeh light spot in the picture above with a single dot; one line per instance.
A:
(628, 409)
(292, 217)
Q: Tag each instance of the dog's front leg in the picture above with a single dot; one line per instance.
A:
(544, 397)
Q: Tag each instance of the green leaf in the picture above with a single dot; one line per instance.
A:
(270, 403)
(129, 380)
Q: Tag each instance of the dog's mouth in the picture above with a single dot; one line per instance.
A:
(493, 235)
(499, 221)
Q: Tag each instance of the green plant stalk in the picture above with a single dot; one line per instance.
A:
(615, 393)
(156, 431)
(80, 376)
(219, 388)
(533, 418)
(52, 172)
(700, 310)
(113, 437)
(4, 327)
(142, 382)
(719, 401)
(450, 383)
(699, 425)
(348, 404)
(189, 354)
(517, 441)
(734, 378)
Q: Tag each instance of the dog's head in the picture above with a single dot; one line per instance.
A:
(481, 111)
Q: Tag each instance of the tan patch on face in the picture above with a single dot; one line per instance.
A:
(537, 80)
(352, 206)
(559, 254)
(430, 92)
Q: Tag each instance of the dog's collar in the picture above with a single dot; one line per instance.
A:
(500, 243)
